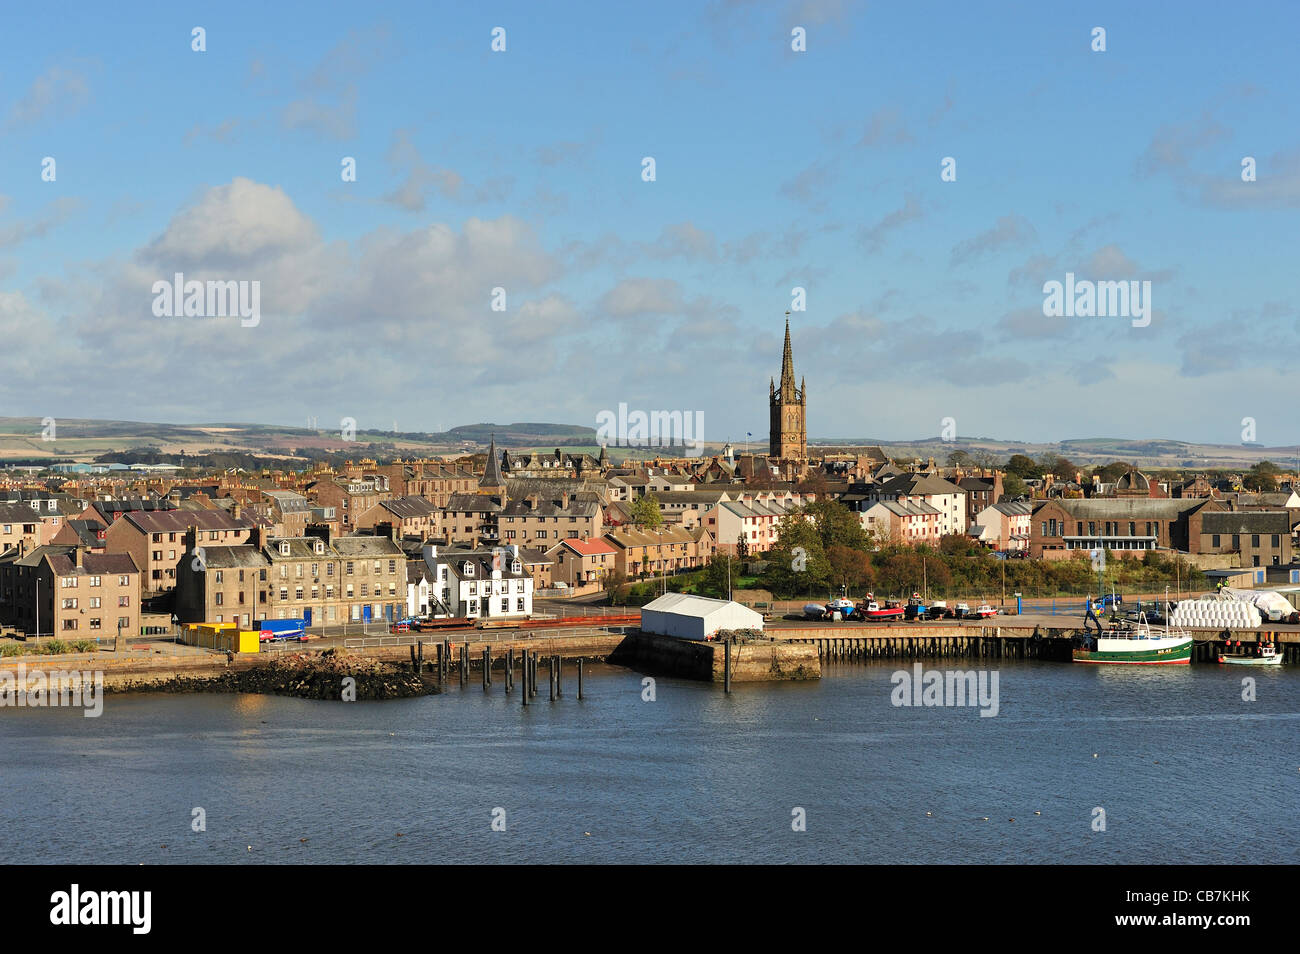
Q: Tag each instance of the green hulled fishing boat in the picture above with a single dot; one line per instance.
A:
(1138, 646)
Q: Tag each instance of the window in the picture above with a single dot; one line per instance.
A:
(298, 571)
(297, 593)
(392, 566)
(349, 591)
(315, 569)
(329, 569)
(365, 589)
(123, 581)
(171, 554)
(94, 602)
(1236, 541)
(348, 569)
(95, 581)
(219, 599)
(1214, 541)
(212, 535)
(1254, 539)
(94, 622)
(69, 624)
(1276, 541)
(69, 604)
(157, 554)
(379, 566)
(218, 576)
(505, 604)
(519, 608)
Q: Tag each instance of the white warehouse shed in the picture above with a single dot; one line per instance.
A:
(695, 617)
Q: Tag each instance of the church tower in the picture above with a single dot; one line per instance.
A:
(788, 433)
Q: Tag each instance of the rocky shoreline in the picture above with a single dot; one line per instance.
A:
(323, 675)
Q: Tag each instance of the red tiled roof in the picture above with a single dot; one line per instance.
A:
(589, 547)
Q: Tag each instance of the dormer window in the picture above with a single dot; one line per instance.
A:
(320, 546)
(468, 568)
(284, 548)
(514, 567)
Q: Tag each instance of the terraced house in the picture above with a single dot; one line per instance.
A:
(410, 516)
(67, 592)
(156, 539)
(538, 521)
(665, 550)
(319, 578)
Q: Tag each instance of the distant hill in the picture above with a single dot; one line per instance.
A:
(84, 440)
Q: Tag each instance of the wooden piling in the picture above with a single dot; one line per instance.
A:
(726, 666)
(579, 678)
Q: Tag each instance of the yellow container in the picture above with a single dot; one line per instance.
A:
(250, 641)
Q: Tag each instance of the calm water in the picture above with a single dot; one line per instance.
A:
(1186, 772)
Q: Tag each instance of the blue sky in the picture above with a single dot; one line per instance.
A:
(774, 169)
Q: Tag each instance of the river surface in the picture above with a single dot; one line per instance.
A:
(1184, 769)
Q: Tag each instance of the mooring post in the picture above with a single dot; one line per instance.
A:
(524, 666)
(485, 670)
(559, 676)
(579, 678)
(464, 662)
(726, 666)
(487, 660)
(413, 667)
(419, 658)
(510, 668)
(550, 676)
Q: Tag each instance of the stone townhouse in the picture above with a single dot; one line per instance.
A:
(410, 516)
(319, 578)
(471, 519)
(290, 512)
(537, 521)
(32, 526)
(432, 480)
(156, 539)
(67, 592)
(352, 497)
(1258, 537)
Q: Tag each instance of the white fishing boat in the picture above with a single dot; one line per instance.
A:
(1268, 656)
(1138, 645)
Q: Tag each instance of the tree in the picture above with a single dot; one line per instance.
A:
(714, 577)
(1262, 476)
(1024, 467)
(837, 525)
(960, 458)
(797, 563)
(850, 568)
(645, 512)
(615, 587)
(1109, 473)
(1013, 486)
(1059, 467)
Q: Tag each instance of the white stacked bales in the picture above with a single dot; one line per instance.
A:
(1216, 614)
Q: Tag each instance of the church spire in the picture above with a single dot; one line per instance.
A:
(492, 473)
(787, 365)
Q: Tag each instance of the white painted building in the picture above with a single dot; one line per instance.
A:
(695, 617)
(479, 584)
